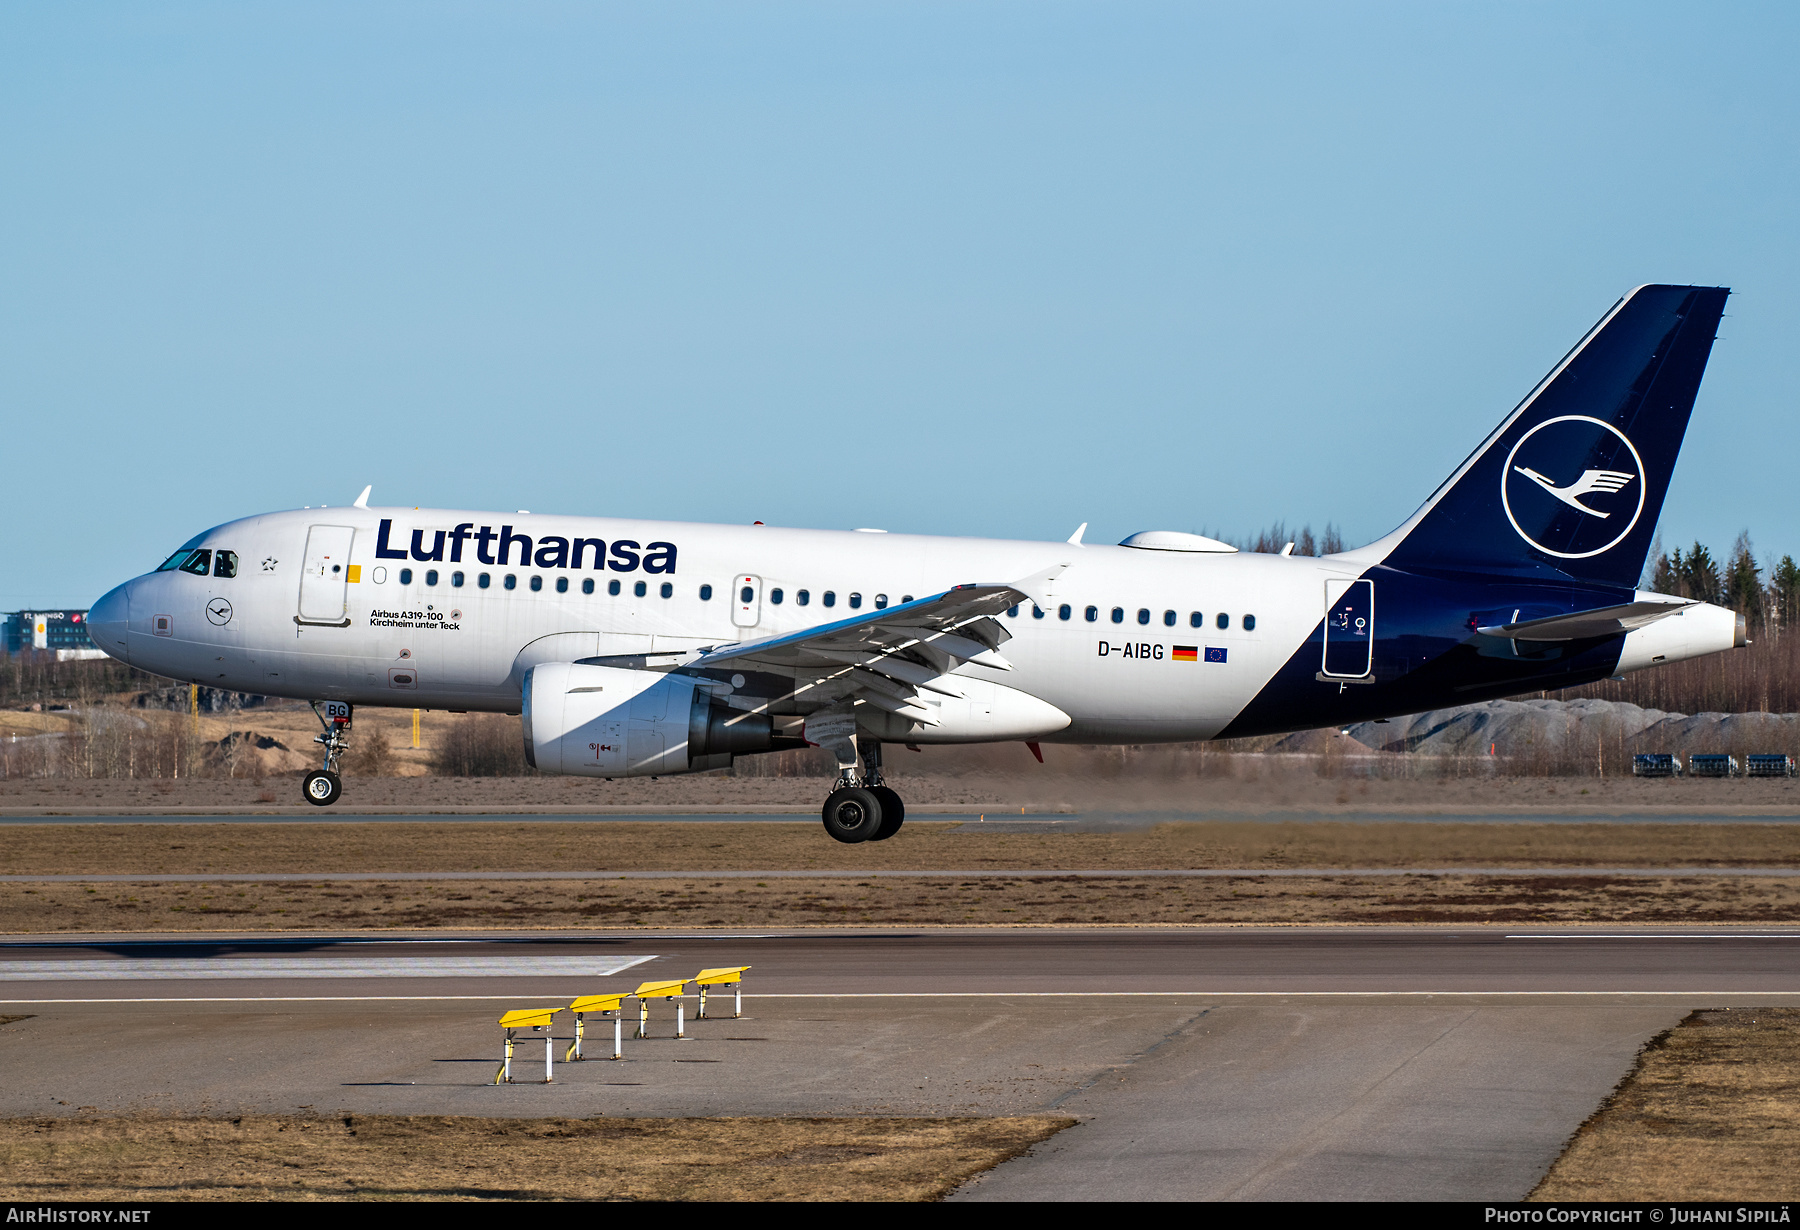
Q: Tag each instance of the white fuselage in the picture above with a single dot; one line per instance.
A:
(416, 643)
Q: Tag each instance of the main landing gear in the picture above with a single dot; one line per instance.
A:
(322, 787)
(864, 809)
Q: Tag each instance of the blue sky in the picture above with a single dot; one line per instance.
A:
(949, 268)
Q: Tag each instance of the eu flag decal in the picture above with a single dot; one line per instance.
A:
(1185, 653)
(1214, 655)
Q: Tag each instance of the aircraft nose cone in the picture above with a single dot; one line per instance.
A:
(108, 620)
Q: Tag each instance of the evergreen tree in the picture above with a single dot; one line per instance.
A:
(1669, 575)
(1784, 591)
(1743, 582)
(1700, 577)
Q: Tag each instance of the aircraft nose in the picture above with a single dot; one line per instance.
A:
(108, 620)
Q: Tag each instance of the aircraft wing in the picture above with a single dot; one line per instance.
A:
(1603, 621)
(884, 658)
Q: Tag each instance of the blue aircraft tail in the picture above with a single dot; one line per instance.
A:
(1572, 483)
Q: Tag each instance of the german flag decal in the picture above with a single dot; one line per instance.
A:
(1185, 653)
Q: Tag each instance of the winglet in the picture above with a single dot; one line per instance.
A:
(362, 501)
(1075, 538)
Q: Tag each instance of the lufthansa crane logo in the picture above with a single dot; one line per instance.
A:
(1573, 487)
(219, 611)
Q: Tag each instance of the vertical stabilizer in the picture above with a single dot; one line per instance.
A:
(1572, 483)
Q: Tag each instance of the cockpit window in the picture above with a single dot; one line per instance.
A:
(198, 562)
(180, 557)
(225, 563)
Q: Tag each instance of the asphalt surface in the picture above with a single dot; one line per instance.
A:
(974, 961)
(1204, 1064)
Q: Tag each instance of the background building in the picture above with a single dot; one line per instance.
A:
(64, 632)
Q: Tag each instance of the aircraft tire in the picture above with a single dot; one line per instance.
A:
(893, 812)
(852, 815)
(321, 788)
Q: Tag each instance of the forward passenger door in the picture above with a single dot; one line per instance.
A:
(325, 577)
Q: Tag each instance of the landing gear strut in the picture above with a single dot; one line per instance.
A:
(322, 787)
(864, 809)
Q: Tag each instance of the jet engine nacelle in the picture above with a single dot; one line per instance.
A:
(604, 721)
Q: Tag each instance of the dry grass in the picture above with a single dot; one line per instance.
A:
(1707, 1115)
(924, 901)
(923, 845)
(459, 1158)
(996, 778)
(778, 897)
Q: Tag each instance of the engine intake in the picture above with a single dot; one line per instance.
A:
(605, 721)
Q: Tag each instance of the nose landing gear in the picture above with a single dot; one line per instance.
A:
(322, 787)
(864, 809)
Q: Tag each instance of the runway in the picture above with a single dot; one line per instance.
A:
(1205, 1064)
(1388, 961)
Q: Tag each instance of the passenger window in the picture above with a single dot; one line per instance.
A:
(1168, 619)
(776, 595)
(830, 598)
(1064, 611)
(856, 602)
(199, 563)
(802, 596)
(881, 602)
(1196, 620)
(1224, 621)
(587, 585)
(511, 581)
(406, 576)
(640, 589)
(379, 576)
(1012, 612)
(1249, 623)
(706, 593)
(1037, 612)
(746, 595)
(1143, 615)
(1093, 614)
(612, 587)
(431, 576)
(484, 580)
(537, 583)
(225, 564)
(562, 585)
(1118, 614)
(668, 590)
(906, 597)
(456, 580)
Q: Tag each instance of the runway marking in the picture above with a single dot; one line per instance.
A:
(235, 968)
(1670, 935)
(1087, 873)
(359, 999)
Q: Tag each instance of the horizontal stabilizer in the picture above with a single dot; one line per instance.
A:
(1582, 625)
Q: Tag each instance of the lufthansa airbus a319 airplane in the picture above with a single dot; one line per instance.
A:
(637, 648)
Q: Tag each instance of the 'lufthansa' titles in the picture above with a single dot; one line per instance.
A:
(550, 551)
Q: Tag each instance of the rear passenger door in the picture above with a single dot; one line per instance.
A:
(1349, 629)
